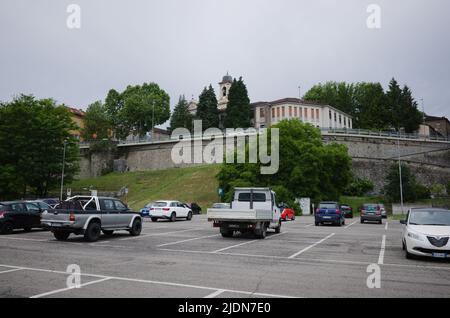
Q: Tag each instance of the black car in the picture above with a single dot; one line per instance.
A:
(19, 215)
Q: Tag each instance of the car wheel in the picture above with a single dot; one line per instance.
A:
(61, 235)
(173, 217)
(293, 218)
(92, 232)
(189, 216)
(343, 222)
(408, 255)
(136, 228)
(226, 233)
(108, 232)
(380, 222)
(317, 223)
(7, 228)
(362, 221)
(154, 219)
(27, 229)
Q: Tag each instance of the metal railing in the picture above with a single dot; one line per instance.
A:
(324, 131)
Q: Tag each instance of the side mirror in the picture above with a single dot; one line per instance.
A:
(403, 222)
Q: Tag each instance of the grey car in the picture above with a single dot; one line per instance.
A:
(371, 212)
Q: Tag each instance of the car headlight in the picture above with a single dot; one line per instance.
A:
(415, 236)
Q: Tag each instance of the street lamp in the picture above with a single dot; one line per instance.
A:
(400, 173)
(62, 172)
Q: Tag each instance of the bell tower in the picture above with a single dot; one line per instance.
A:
(224, 89)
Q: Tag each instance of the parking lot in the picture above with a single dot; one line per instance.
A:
(191, 259)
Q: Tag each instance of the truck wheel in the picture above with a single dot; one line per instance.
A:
(136, 228)
(278, 229)
(92, 232)
(189, 216)
(108, 232)
(61, 235)
(173, 217)
(154, 219)
(262, 233)
(7, 228)
(226, 232)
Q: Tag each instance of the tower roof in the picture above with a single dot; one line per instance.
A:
(227, 79)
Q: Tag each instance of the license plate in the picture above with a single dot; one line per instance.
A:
(327, 217)
(439, 255)
(234, 226)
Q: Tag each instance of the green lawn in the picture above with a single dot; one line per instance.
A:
(194, 184)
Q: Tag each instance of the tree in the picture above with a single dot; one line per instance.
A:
(32, 136)
(370, 108)
(412, 190)
(394, 99)
(137, 109)
(308, 168)
(411, 122)
(207, 110)
(359, 187)
(97, 123)
(181, 117)
(238, 113)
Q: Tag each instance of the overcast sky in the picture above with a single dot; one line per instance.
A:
(184, 45)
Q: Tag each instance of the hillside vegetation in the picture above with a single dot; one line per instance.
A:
(194, 184)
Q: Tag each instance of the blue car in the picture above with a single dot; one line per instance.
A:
(145, 211)
(329, 212)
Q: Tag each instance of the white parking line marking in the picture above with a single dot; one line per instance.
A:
(135, 280)
(311, 246)
(386, 227)
(10, 270)
(383, 246)
(69, 288)
(215, 294)
(155, 234)
(245, 243)
(350, 224)
(22, 239)
(309, 225)
(188, 240)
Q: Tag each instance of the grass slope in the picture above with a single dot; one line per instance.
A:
(194, 184)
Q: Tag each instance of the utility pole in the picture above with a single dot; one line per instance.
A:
(299, 92)
(400, 174)
(62, 173)
(153, 121)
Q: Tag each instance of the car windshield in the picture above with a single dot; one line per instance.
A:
(159, 204)
(430, 218)
(327, 206)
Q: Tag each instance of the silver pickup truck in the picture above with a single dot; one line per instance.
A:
(89, 216)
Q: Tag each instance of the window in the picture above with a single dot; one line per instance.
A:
(257, 197)
(317, 114)
(329, 112)
(295, 112)
(345, 121)
(159, 204)
(107, 204)
(283, 112)
(335, 117)
(32, 207)
(224, 91)
(312, 113)
(18, 207)
(120, 205)
(173, 204)
(261, 112)
(306, 112)
(278, 112)
(300, 111)
(273, 112)
(340, 119)
(290, 111)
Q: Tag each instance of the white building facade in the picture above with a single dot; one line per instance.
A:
(320, 116)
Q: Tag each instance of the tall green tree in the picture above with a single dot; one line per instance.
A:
(394, 100)
(412, 190)
(308, 168)
(137, 109)
(207, 110)
(97, 123)
(181, 117)
(238, 112)
(370, 107)
(32, 137)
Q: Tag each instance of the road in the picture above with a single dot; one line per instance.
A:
(190, 259)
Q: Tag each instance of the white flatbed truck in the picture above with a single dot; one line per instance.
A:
(252, 210)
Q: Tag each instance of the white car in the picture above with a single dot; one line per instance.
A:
(427, 233)
(170, 210)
